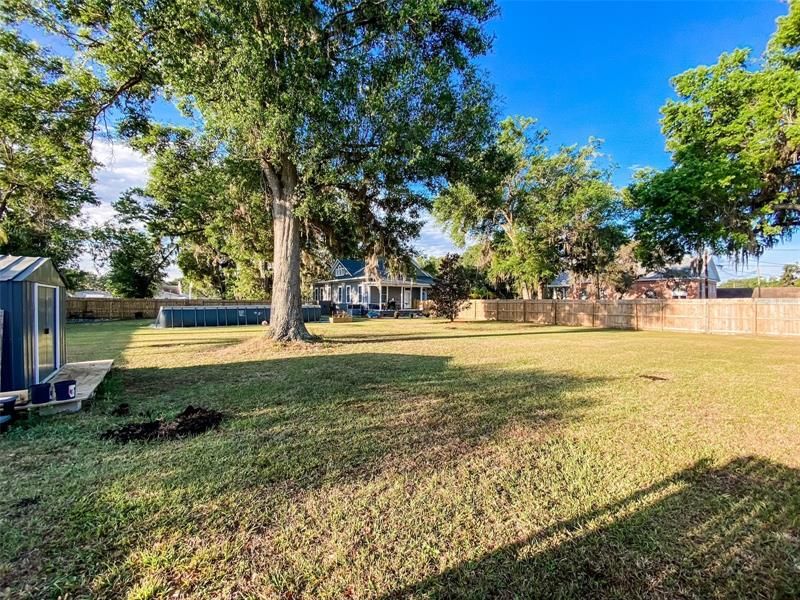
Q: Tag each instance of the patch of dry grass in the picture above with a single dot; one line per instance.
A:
(416, 459)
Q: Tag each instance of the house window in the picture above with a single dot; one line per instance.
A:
(340, 271)
(348, 295)
(423, 294)
(340, 294)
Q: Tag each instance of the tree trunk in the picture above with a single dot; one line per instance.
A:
(286, 312)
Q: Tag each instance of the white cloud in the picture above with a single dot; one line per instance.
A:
(433, 240)
(121, 168)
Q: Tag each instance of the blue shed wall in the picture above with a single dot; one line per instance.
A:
(19, 333)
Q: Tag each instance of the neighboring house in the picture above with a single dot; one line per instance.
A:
(167, 295)
(683, 280)
(173, 291)
(351, 285)
(569, 286)
(90, 294)
(561, 287)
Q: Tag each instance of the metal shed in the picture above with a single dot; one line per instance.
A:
(33, 300)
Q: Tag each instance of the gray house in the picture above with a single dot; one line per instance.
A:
(33, 300)
(351, 285)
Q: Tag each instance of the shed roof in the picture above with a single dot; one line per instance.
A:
(21, 268)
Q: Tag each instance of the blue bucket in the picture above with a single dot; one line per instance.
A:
(40, 393)
(7, 404)
(66, 390)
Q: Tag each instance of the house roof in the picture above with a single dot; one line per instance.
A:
(357, 269)
(92, 294)
(562, 280)
(688, 268)
(22, 268)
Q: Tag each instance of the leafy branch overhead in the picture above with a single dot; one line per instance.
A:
(734, 136)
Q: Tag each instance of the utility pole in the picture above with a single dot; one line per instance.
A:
(758, 275)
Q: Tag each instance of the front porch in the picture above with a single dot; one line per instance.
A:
(372, 295)
(396, 297)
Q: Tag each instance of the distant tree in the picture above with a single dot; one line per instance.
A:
(537, 211)
(751, 282)
(78, 279)
(450, 290)
(429, 264)
(136, 260)
(210, 204)
(791, 275)
(623, 270)
(594, 235)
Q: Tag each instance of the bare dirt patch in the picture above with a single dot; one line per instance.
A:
(654, 377)
(191, 421)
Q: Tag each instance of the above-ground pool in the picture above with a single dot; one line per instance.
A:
(218, 316)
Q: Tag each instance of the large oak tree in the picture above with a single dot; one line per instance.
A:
(361, 106)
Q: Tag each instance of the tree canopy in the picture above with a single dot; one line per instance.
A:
(537, 212)
(47, 107)
(734, 135)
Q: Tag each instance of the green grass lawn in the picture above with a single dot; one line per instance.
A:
(416, 459)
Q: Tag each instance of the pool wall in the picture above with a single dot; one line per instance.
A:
(222, 316)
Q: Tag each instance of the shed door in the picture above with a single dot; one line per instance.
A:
(47, 336)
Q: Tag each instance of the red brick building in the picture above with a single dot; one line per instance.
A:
(685, 280)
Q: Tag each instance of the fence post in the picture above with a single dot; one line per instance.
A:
(708, 316)
(524, 311)
(635, 315)
(555, 311)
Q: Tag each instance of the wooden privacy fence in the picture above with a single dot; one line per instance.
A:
(135, 308)
(755, 317)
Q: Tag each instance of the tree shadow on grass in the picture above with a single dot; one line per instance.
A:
(294, 424)
(371, 337)
(708, 532)
(324, 418)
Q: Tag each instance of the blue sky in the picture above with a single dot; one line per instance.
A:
(592, 68)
